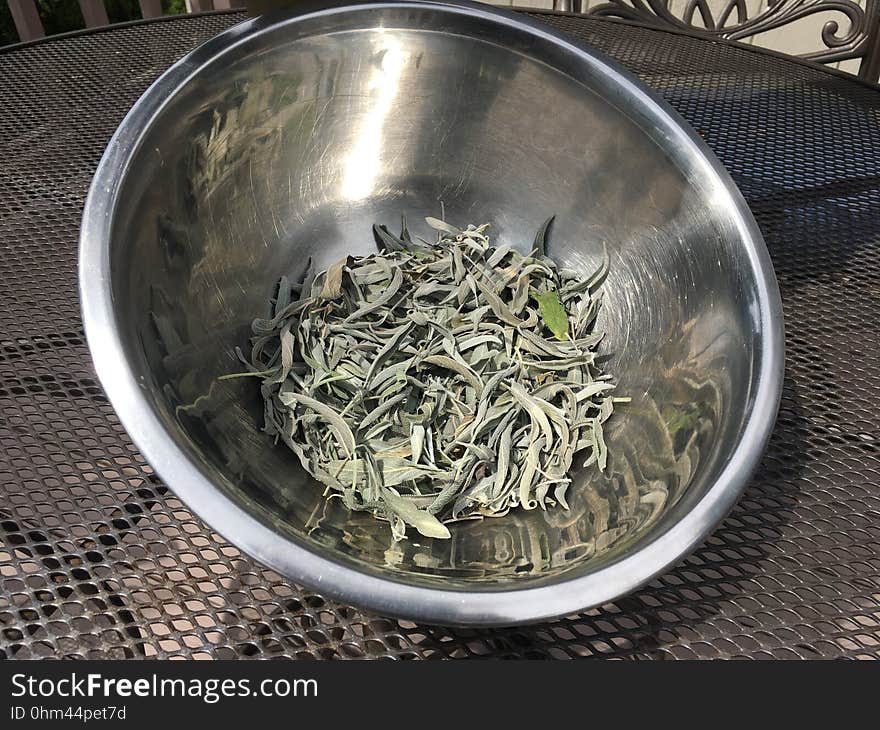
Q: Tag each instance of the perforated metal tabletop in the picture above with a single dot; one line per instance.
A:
(98, 559)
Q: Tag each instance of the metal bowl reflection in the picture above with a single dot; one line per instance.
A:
(288, 137)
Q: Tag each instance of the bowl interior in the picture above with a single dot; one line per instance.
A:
(294, 140)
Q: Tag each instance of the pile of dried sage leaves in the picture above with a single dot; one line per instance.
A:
(432, 382)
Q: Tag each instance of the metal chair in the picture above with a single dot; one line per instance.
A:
(731, 19)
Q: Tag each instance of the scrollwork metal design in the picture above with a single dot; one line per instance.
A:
(731, 19)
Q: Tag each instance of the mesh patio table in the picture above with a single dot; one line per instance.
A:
(98, 559)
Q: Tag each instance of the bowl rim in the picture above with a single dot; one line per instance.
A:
(389, 595)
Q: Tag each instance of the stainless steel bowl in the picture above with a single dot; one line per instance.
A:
(288, 137)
